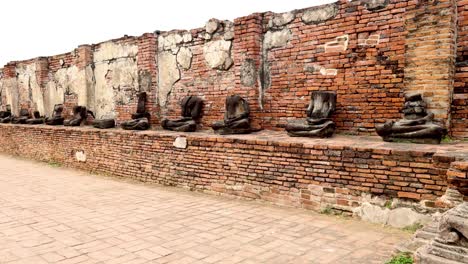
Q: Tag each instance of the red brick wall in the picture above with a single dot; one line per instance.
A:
(147, 64)
(301, 174)
(460, 96)
(390, 51)
(369, 79)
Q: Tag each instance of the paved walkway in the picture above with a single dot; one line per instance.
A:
(55, 215)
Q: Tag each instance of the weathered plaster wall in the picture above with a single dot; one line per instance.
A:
(29, 90)
(70, 80)
(116, 76)
(196, 62)
(9, 92)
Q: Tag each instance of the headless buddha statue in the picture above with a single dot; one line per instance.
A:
(5, 116)
(36, 120)
(318, 122)
(23, 116)
(140, 119)
(236, 118)
(191, 112)
(56, 119)
(80, 114)
(417, 126)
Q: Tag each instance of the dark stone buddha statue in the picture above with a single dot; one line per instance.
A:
(5, 116)
(80, 114)
(417, 126)
(56, 119)
(36, 120)
(23, 116)
(318, 122)
(236, 118)
(104, 123)
(140, 119)
(191, 112)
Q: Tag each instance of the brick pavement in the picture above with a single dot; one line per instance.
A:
(57, 215)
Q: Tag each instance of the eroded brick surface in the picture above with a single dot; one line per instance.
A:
(54, 215)
(299, 172)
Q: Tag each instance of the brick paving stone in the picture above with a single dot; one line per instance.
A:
(58, 215)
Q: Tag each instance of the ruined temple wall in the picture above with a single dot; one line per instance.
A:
(359, 49)
(346, 47)
(69, 81)
(9, 88)
(104, 77)
(367, 53)
(196, 62)
(370, 52)
(116, 76)
(22, 85)
(460, 97)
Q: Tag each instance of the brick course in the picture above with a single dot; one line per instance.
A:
(300, 173)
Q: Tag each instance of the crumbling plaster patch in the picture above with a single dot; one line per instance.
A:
(315, 68)
(80, 156)
(71, 80)
(339, 44)
(168, 74)
(184, 58)
(278, 21)
(180, 142)
(371, 40)
(272, 39)
(398, 217)
(211, 26)
(10, 90)
(54, 94)
(320, 14)
(373, 5)
(218, 54)
(276, 39)
(116, 77)
(29, 88)
(109, 51)
(248, 73)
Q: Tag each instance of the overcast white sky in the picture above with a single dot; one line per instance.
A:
(32, 28)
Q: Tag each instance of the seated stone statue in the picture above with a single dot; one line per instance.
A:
(36, 120)
(104, 123)
(236, 118)
(417, 126)
(140, 119)
(21, 119)
(191, 112)
(5, 116)
(80, 114)
(56, 118)
(318, 122)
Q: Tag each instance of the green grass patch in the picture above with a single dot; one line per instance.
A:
(402, 258)
(413, 228)
(327, 210)
(388, 204)
(54, 164)
(447, 139)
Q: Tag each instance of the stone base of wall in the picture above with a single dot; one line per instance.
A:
(343, 173)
